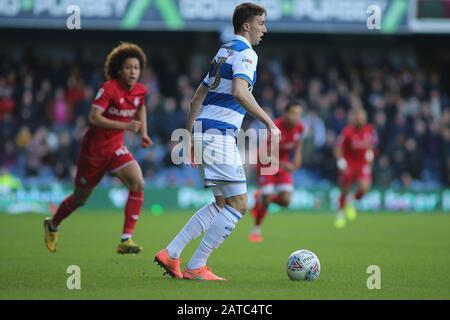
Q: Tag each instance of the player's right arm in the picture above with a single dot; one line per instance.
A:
(96, 119)
(194, 108)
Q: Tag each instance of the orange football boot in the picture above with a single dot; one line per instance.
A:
(255, 237)
(202, 273)
(172, 266)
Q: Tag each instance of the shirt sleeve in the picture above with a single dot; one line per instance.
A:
(244, 66)
(205, 81)
(103, 97)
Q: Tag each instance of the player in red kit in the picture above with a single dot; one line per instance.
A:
(277, 188)
(118, 106)
(354, 153)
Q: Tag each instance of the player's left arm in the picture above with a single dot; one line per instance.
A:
(298, 156)
(296, 161)
(141, 116)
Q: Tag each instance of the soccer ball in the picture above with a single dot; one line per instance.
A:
(303, 265)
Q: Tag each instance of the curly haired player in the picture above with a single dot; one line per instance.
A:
(118, 106)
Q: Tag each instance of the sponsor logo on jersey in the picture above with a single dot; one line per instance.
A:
(240, 171)
(247, 63)
(363, 143)
(126, 113)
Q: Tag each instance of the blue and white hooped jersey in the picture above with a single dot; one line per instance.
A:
(220, 110)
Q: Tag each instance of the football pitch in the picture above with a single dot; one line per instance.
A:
(412, 251)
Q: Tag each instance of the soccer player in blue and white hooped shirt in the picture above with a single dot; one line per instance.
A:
(215, 116)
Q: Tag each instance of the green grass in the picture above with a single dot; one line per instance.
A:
(412, 250)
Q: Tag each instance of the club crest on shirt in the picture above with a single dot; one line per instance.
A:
(240, 171)
(136, 102)
(121, 100)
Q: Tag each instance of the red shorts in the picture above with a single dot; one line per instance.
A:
(270, 184)
(91, 169)
(355, 174)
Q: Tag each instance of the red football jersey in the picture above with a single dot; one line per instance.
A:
(290, 138)
(356, 142)
(120, 104)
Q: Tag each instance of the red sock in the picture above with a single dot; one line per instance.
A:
(342, 201)
(278, 200)
(259, 211)
(64, 210)
(132, 211)
(259, 215)
(359, 194)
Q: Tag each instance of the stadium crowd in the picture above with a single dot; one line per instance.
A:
(44, 103)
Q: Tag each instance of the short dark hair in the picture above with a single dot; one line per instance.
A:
(119, 54)
(244, 13)
(291, 104)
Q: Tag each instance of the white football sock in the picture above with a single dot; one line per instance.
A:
(198, 224)
(125, 236)
(218, 231)
(256, 230)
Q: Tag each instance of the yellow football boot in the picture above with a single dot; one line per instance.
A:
(128, 246)
(350, 212)
(51, 237)
(340, 221)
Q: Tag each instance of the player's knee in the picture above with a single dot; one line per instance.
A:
(137, 185)
(284, 204)
(220, 202)
(239, 204)
(242, 207)
(285, 201)
(366, 188)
